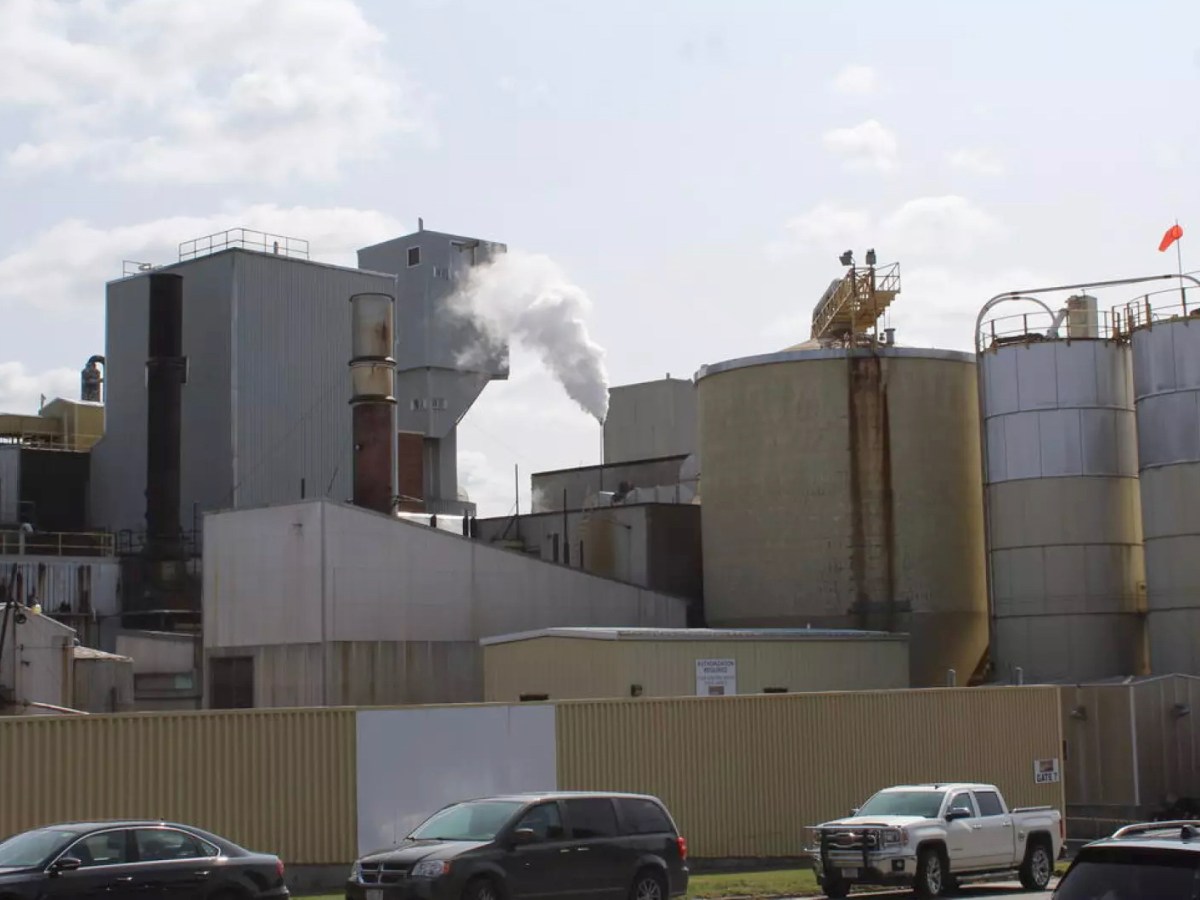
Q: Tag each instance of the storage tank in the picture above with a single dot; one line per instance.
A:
(1067, 576)
(1166, 365)
(842, 489)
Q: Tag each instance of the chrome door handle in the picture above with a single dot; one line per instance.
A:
(203, 873)
(124, 879)
(976, 827)
(581, 849)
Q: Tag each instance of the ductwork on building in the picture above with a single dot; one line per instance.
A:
(372, 376)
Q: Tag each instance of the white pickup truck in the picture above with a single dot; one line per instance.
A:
(934, 837)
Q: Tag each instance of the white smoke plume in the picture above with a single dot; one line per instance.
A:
(528, 298)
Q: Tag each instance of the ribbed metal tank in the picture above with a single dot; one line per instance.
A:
(1067, 575)
(1166, 364)
(842, 490)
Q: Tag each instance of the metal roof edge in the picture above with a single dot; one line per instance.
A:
(787, 356)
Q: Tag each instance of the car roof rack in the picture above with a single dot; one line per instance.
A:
(1187, 828)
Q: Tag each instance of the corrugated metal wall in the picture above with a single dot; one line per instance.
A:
(745, 775)
(10, 484)
(576, 668)
(281, 782)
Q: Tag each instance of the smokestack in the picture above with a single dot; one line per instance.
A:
(166, 373)
(372, 377)
(90, 380)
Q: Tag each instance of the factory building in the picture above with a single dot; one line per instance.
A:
(651, 545)
(1068, 579)
(584, 663)
(651, 420)
(322, 603)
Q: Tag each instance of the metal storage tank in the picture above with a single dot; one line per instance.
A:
(1166, 364)
(1067, 576)
(842, 490)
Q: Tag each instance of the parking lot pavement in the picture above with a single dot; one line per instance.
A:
(1000, 891)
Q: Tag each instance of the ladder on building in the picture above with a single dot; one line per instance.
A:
(855, 304)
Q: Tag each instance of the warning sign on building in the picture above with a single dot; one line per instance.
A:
(716, 677)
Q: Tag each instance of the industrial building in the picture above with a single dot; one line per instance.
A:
(650, 420)
(841, 487)
(582, 663)
(651, 545)
(321, 603)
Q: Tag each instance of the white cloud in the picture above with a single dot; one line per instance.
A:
(868, 145)
(977, 162)
(34, 275)
(856, 80)
(939, 226)
(21, 390)
(188, 91)
(826, 228)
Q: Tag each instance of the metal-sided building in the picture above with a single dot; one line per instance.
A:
(608, 663)
(322, 603)
(650, 420)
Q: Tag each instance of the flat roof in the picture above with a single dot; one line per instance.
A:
(615, 465)
(697, 634)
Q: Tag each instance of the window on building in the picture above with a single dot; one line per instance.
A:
(414, 256)
(231, 682)
(775, 690)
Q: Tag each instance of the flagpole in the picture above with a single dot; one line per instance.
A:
(1179, 259)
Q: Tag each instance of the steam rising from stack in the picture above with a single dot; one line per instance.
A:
(529, 299)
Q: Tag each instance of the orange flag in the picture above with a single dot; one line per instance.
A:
(1174, 233)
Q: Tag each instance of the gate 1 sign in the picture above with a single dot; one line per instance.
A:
(1045, 771)
(716, 677)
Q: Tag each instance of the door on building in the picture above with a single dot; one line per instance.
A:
(231, 682)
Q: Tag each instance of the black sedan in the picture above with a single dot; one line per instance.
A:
(144, 859)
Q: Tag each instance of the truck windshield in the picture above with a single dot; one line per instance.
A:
(1129, 873)
(921, 804)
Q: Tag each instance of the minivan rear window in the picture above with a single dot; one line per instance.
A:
(1132, 873)
(592, 818)
(644, 817)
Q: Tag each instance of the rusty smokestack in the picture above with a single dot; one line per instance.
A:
(166, 373)
(372, 378)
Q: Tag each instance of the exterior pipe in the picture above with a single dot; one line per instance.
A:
(372, 374)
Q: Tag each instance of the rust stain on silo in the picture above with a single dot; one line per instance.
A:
(872, 525)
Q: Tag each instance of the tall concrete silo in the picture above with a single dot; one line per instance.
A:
(1166, 366)
(1067, 576)
(841, 487)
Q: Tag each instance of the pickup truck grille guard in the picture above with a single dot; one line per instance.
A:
(864, 840)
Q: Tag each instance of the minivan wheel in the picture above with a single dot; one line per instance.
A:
(648, 885)
(481, 889)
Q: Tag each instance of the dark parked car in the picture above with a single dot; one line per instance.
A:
(555, 845)
(145, 859)
(1149, 861)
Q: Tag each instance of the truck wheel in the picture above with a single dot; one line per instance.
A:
(1037, 868)
(835, 888)
(931, 873)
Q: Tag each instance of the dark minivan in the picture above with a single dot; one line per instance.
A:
(552, 845)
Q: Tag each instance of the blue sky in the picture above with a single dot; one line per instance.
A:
(693, 166)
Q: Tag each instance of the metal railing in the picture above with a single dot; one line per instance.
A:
(1042, 325)
(245, 239)
(14, 542)
(855, 292)
(77, 442)
(1158, 307)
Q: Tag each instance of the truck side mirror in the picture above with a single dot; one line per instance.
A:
(955, 814)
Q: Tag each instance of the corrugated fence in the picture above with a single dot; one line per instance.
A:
(281, 781)
(744, 776)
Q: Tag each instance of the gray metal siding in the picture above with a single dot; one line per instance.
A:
(119, 460)
(1063, 509)
(1166, 362)
(10, 484)
(291, 383)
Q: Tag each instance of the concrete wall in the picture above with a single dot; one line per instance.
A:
(652, 419)
(320, 573)
(567, 668)
(37, 664)
(581, 484)
(103, 683)
(844, 491)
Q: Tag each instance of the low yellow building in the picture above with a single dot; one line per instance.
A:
(594, 663)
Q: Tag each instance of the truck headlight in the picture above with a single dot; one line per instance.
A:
(431, 868)
(356, 873)
(894, 837)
